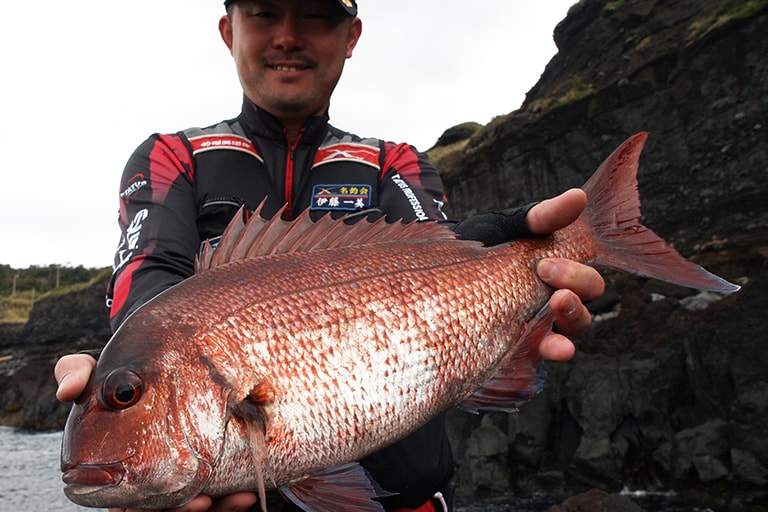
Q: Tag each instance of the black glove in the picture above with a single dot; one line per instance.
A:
(494, 228)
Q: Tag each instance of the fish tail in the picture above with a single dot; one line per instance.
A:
(623, 243)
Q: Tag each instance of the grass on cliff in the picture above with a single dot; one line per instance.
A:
(16, 303)
(462, 134)
(729, 10)
(15, 310)
(579, 89)
(613, 6)
(438, 153)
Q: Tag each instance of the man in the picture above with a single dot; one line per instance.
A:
(182, 189)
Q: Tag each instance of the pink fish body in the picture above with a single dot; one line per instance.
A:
(300, 348)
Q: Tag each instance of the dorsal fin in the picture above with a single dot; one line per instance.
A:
(261, 237)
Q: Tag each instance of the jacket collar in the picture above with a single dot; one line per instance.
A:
(261, 124)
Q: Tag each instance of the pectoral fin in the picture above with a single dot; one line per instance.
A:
(252, 411)
(349, 488)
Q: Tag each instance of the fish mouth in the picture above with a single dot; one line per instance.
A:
(89, 478)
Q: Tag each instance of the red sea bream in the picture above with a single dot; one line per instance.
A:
(299, 348)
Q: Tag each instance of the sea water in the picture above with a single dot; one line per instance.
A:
(30, 478)
(30, 481)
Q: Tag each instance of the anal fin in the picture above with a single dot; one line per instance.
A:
(349, 488)
(522, 375)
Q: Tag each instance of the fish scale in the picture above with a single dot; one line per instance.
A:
(296, 350)
(429, 342)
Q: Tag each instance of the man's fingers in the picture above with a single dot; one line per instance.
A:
(583, 280)
(240, 501)
(72, 373)
(573, 281)
(572, 318)
(556, 213)
(556, 347)
(200, 503)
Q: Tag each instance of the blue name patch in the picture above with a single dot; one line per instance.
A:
(346, 198)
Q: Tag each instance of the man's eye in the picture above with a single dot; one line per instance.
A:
(260, 13)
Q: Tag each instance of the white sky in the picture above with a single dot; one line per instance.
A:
(83, 83)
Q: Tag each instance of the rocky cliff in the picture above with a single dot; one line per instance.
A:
(58, 325)
(669, 390)
(692, 73)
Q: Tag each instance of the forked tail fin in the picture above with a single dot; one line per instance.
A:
(612, 220)
(613, 211)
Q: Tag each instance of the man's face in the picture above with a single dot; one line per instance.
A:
(289, 53)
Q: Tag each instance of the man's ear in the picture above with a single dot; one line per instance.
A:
(225, 29)
(355, 29)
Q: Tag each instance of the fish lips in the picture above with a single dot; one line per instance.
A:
(85, 479)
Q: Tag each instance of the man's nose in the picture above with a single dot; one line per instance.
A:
(289, 34)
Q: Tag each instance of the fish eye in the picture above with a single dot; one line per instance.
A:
(122, 389)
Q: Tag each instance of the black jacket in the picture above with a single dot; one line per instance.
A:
(182, 189)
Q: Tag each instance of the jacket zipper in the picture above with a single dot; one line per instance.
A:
(289, 168)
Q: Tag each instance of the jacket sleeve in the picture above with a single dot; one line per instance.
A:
(411, 188)
(159, 235)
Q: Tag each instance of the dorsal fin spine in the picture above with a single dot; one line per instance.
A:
(262, 237)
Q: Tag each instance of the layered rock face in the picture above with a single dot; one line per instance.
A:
(693, 78)
(669, 390)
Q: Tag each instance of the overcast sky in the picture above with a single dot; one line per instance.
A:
(84, 83)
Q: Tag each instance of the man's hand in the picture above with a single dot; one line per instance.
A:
(72, 373)
(574, 282)
(241, 501)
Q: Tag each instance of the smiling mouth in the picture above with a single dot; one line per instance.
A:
(289, 68)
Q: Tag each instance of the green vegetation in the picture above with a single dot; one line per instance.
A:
(736, 9)
(98, 274)
(20, 288)
(728, 11)
(579, 89)
(457, 139)
(438, 153)
(613, 6)
(15, 310)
